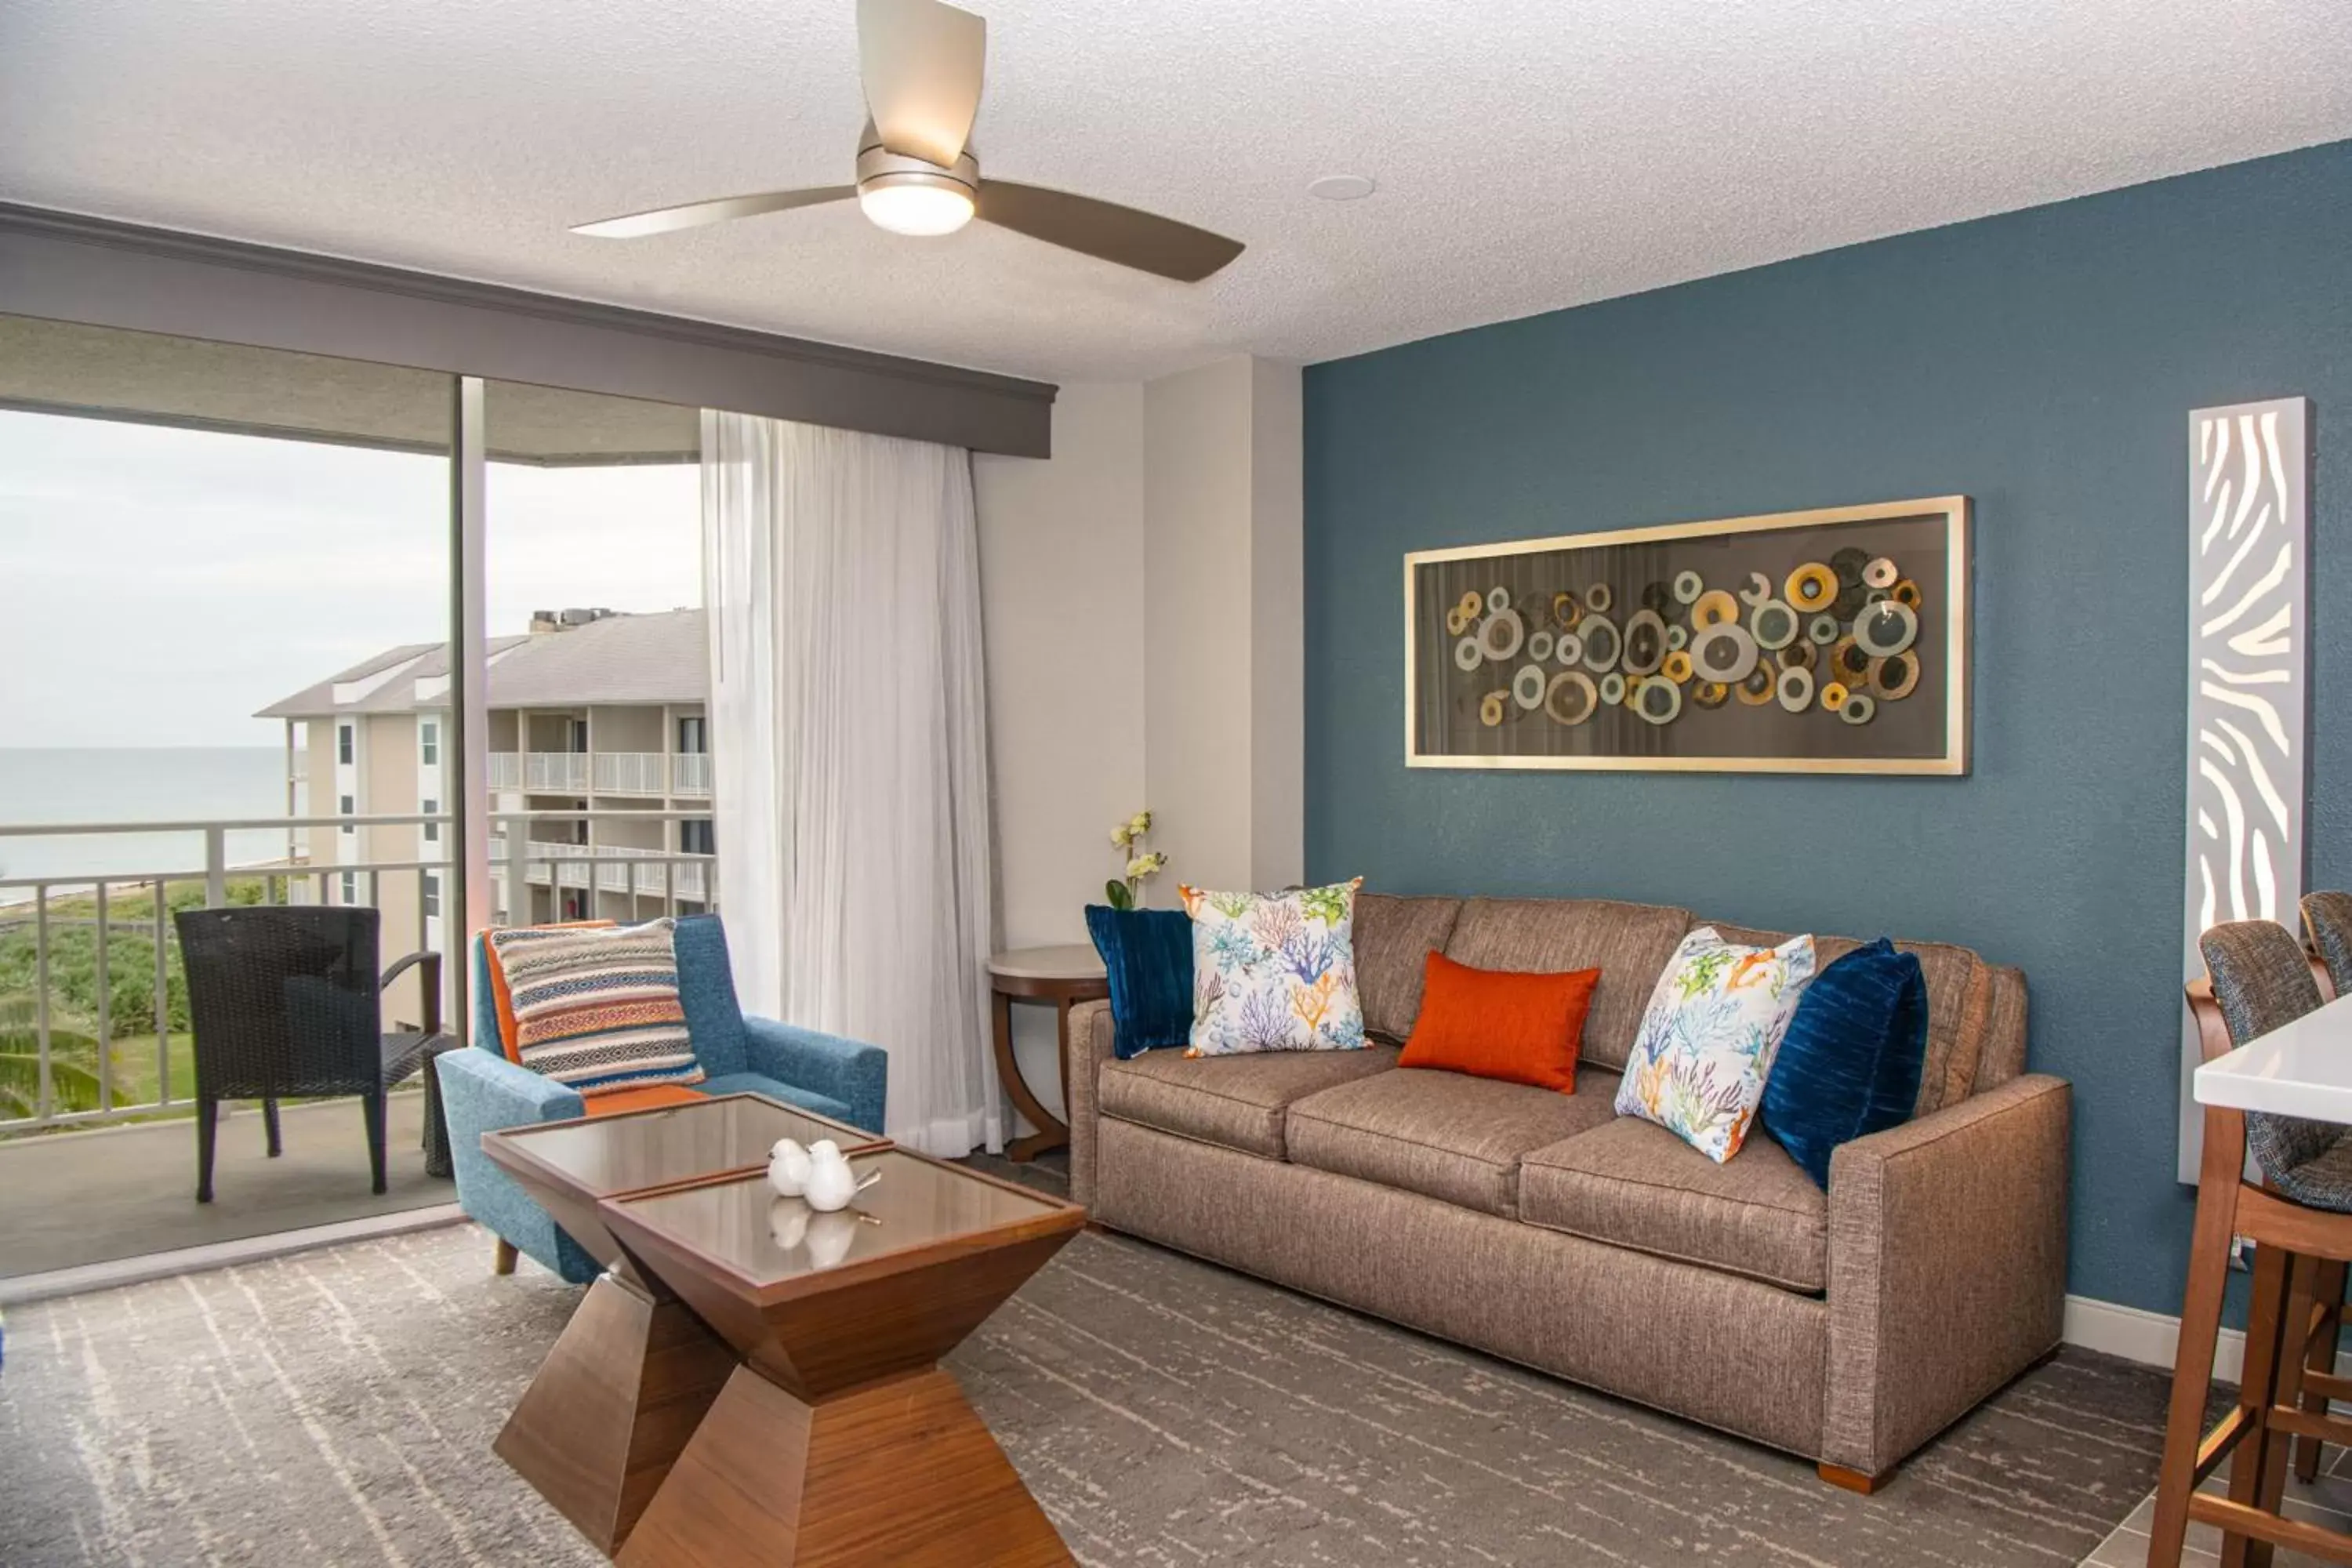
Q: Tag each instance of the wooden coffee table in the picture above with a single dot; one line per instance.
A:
(839, 1441)
(634, 1371)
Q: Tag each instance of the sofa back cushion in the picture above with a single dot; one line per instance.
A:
(1394, 937)
(1628, 944)
(1976, 1014)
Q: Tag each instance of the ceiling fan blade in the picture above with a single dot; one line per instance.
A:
(1138, 240)
(922, 63)
(694, 215)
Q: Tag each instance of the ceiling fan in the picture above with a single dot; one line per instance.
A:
(921, 63)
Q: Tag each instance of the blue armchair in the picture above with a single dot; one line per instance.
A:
(481, 1091)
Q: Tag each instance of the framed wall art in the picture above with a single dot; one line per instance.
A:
(1832, 642)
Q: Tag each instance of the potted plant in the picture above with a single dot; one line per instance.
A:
(1126, 892)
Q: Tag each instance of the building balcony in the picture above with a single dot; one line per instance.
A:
(654, 774)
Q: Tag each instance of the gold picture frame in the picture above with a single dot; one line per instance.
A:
(1763, 576)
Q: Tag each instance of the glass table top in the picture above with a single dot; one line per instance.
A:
(644, 1149)
(762, 1238)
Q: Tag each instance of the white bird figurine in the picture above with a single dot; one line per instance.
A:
(830, 1182)
(788, 1167)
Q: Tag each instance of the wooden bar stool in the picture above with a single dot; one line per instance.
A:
(2300, 1218)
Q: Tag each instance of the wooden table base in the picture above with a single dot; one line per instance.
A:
(613, 1407)
(899, 1472)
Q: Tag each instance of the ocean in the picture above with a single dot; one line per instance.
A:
(128, 783)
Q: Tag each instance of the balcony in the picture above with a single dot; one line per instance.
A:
(649, 774)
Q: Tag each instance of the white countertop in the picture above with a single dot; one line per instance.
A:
(2301, 1069)
(1071, 961)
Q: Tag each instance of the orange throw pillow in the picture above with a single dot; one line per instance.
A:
(502, 998)
(1495, 1023)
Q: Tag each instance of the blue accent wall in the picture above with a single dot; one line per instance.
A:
(2044, 362)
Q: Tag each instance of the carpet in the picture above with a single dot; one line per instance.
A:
(338, 1406)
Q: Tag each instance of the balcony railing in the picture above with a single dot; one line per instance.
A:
(602, 772)
(103, 967)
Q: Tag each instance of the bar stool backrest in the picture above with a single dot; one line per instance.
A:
(2327, 917)
(2262, 979)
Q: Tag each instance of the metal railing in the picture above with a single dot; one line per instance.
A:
(604, 773)
(123, 909)
(689, 772)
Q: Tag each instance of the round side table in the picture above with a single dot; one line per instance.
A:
(1062, 976)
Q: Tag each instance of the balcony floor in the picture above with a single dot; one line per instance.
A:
(72, 1198)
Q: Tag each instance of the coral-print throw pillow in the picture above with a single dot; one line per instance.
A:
(1274, 971)
(1706, 1045)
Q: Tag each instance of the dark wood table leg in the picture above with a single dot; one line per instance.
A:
(1051, 1133)
(901, 1471)
(614, 1405)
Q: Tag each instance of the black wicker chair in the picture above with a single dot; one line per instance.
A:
(286, 1004)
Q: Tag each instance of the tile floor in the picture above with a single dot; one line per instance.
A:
(2326, 1501)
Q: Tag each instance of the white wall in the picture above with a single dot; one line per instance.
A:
(1061, 587)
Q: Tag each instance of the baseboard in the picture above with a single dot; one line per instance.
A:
(2152, 1338)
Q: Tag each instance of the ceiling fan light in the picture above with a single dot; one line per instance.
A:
(915, 204)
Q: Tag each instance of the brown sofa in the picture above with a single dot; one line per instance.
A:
(1849, 1326)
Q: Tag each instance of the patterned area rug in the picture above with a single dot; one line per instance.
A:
(338, 1406)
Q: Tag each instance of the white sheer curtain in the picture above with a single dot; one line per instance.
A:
(842, 576)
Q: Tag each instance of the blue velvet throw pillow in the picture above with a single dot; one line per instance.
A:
(1850, 1064)
(1149, 955)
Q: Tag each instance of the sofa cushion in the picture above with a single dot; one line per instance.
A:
(1628, 944)
(1960, 1002)
(1235, 1101)
(1393, 937)
(1446, 1135)
(1633, 1183)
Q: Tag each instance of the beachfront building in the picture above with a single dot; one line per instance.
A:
(591, 712)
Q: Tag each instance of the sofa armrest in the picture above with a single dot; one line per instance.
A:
(481, 1091)
(1948, 1265)
(1090, 1047)
(854, 1073)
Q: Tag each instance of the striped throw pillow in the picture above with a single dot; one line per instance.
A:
(596, 1009)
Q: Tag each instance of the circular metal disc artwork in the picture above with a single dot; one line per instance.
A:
(1848, 663)
(1490, 709)
(1851, 598)
(1472, 603)
(1500, 638)
(1857, 709)
(1849, 563)
(1565, 609)
(1710, 693)
(1657, 597)
(1612, 689)
(1757, 689)
(1774, 624)
(1540, 646)
(1893, 679)
(1823, 629)
(1833, 696)
(1907, 592)
(1800, 654)
(1498, 600)
(1714, 609)
(1677, 638)
(1758, 589)
(1659, 700)
(1880, 573)
(1888, 629)
(1466, 655)
(1645, 642)
(1688, 586)
(1795, 690)
(1678, 668)
(1569, 649)
(1527, 686)
(1456, 623)
(1812, 587)
(1725, 653)
(1599, 597)
(1601, 643)
(1571, 698)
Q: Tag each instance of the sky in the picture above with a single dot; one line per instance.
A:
(159, 586)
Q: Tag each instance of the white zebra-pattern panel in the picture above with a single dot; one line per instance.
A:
(2248, 538)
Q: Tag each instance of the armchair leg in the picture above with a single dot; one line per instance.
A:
(269, 1120)
(372, 1105)
(503, 1260)
(1852, 1481)
(208, 1129)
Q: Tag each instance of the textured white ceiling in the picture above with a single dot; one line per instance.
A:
(1530, 154)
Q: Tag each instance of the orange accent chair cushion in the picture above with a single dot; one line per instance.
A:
(653, 1097)
(504, 998)
(1500, 1023)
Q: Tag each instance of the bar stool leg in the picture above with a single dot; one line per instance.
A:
(2201, 1329)
(2258, 1468)
(2330, 1297)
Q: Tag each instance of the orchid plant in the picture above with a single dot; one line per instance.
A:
(1142, 863)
